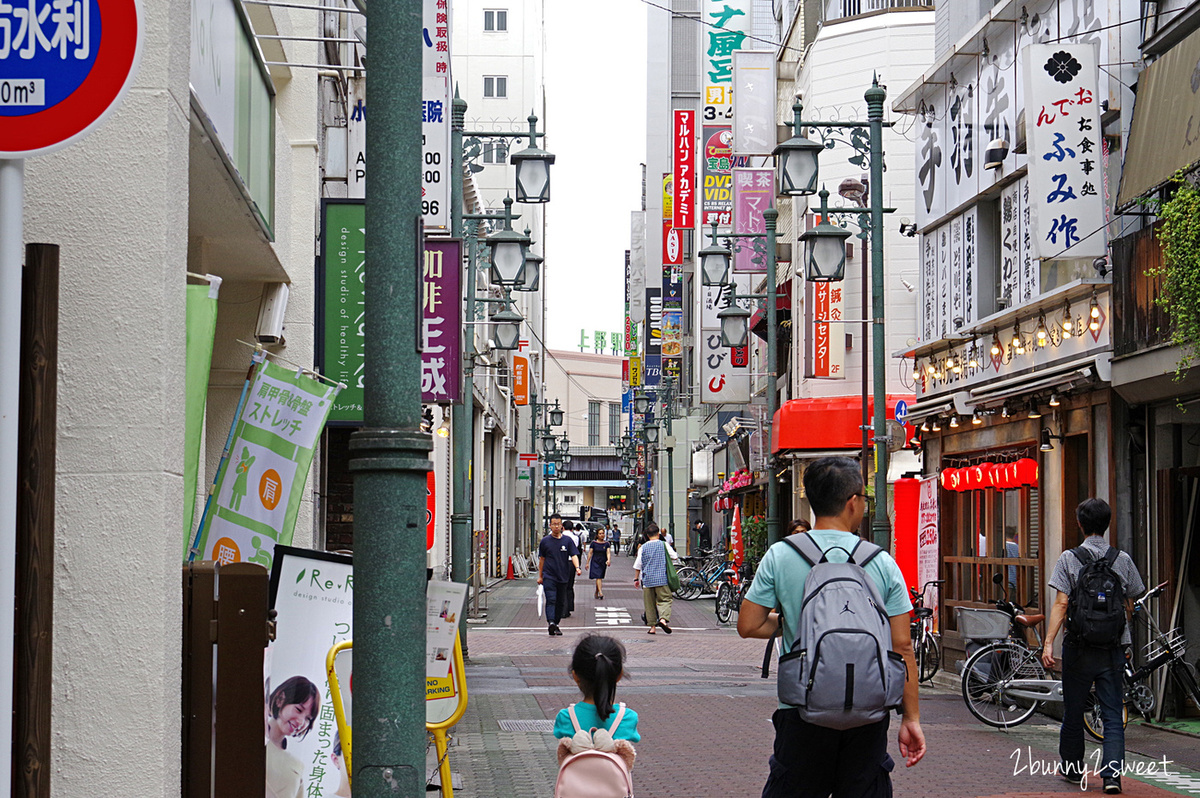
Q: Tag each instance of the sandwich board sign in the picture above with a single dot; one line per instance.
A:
(64, 67)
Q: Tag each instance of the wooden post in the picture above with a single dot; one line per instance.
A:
(35, 522)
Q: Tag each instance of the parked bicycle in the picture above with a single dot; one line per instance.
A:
(925, 642)
(731, 591)
(701, 575)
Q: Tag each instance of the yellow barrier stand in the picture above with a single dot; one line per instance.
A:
(445, 700)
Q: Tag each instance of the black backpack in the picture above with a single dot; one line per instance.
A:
(1096, 606)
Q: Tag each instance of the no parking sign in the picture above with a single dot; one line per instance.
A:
(64, 66)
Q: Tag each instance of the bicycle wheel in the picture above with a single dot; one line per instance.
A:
(985, 682)
(1093, 721)
(724, 601)
(929, 659)
(1185, 677)
(690, 583)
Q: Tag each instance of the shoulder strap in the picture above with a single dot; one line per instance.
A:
(767, 655)
(574, 719)
(612, 730)
(806, 547)
(872, 551)
(1083, 555)
(1111, 556)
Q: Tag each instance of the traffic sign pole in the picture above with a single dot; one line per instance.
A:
(12, 237)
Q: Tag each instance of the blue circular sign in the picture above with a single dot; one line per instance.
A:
(901, 411)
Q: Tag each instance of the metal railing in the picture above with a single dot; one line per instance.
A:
(844, 9)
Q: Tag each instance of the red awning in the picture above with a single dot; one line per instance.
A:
(783, 306)
(825, 423)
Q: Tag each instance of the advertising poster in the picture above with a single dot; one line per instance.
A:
(718, 161)
(312, 593)
(443, 606)
(672, 333)
(1065, 174)
(753, 193)
(927, 541)
(435, 115)
(727, 23)
(754, 103)
(441, 316)
(257, 492)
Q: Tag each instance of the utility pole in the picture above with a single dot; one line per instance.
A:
(464, 410)
(390, 454)
(770, 215)
(880, 526)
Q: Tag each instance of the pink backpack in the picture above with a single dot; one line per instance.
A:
(596, 770)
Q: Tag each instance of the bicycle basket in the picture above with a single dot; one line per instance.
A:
(977, 624)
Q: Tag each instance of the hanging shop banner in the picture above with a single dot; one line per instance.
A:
(257, 492)
(652, 371)
(753, 193)
(201, 329)
(718, 162)
(312, 593)
(685, 169)
(356, 137)
(724, 372)
(672, 245)
(828, 348)
(441, 311)
(435, 115)
(341, 311)
(727, 24)
(754, 102)
(1062, 102)
(635, 372)
(637, 268)
(672, 333)
(927, 539)
(668, 194)
(520, 371)
(654, 322)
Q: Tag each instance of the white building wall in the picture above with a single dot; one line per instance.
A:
(832, 82)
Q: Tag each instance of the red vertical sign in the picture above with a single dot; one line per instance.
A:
(430, 509)
(672, 254)
(821, 330)
(685, 169)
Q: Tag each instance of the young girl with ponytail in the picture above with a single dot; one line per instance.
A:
(596, 667)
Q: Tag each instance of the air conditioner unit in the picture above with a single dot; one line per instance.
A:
(270, 314)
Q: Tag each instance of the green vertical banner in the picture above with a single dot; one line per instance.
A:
(201, 330)
(257, 494)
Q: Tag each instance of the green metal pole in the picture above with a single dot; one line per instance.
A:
(881, 532)
(533, 468)
(770, 215)
(668, 405)
(463, 414)
(390, 454)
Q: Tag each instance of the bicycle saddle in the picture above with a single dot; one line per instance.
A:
(923, 612)
(1030, 620)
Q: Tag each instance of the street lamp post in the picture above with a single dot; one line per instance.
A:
(390, 454)
(668, 397)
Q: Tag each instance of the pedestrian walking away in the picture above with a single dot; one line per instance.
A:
(599, 558)
(558, 561)
(811, 759)
(650, 574)
(615, 537)
(570, 531)
(1096, 587)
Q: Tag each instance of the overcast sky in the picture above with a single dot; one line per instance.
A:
(596, 124)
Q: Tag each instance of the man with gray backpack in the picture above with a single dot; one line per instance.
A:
(846, 648)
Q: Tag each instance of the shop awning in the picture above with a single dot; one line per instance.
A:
(824, 423)
(1162, 138)
(783, 307)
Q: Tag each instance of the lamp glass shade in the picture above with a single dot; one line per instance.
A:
(508, 259)
(825, 253)
(625, 440)
(735, 326)
(652, 433)
(533, 175)
(548, 443)
(532, 279)
(506, 330)
(641, 403)
(714, 266)
(798, 166)
(556, 418)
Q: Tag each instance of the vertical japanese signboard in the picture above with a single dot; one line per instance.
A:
(257, 492)
(718, 161)
(685, 169)
(754, 102)
(724, 372)
(929, 294)
(727, 24)
(441, 317)
(753, 192)
(1010, 242)
(827, 349)
(1067, 209)
(927, 538)
(520, 371)
(931, 180)
(435, 115)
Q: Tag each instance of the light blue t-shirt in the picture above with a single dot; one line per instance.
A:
(779, 580)
(590, 719)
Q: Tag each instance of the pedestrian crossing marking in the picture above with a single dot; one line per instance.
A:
(613, 616)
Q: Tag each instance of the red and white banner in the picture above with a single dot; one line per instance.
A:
(685, 169)
(672, 250)
(927, 541)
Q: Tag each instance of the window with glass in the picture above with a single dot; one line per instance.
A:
(495, 20)
(495, 151)
(614, 423)
(495, 86)
(593, 423)
(985, 532)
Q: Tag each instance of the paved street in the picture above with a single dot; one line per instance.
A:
(705, 713)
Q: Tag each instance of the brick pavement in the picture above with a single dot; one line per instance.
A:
(705, 714)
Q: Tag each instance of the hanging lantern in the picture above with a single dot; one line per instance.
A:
(991, 475)
(1027, 472)
(975, 478)
(945, 478)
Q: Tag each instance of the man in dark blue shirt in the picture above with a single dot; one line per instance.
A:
(558, 562)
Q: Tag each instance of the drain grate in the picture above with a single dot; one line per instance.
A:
(544, 726)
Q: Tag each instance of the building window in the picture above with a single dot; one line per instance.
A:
(593, 423)
(495, 151)
(495, 86)
(614, 423)
(495, 20)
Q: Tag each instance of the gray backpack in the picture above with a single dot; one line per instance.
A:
(841, 671)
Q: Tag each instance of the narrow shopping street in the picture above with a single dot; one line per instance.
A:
(704, 713)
